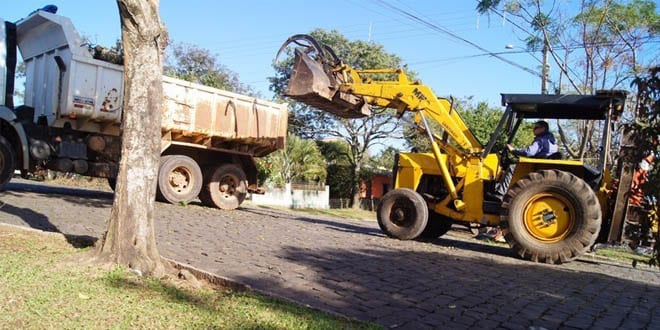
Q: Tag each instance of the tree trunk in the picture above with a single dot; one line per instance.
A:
(130, 239)
(356, 187)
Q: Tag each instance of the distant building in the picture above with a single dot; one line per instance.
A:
(378, 186)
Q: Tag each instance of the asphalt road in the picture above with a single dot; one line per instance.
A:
(350, 268)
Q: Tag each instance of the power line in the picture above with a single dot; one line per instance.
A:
(442, 30)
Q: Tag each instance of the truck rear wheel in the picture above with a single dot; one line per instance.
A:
(225, 187)
(550, 216)
(7, 162)
(179, 179)
(112, 183)
(402, 214)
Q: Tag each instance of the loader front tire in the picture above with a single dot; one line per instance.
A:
(550, 216)
(225, 187)
(402, 214)
(179, 179)
(436, 226)
(7, 162)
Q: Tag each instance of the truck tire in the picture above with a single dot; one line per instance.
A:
(179, 179)
(550, 216)
(225, 187)
(7, 162)
(112, 183)
(436, 226)
(402, 214)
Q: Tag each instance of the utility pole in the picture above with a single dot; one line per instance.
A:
(545, 68)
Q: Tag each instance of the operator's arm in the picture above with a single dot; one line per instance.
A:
(531, 150)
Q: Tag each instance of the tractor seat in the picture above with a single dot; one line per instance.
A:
(556, 155)
(592, 176)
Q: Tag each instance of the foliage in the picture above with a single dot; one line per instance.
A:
(384, 161)
(300, 161)
(359, 134)
(340, 174)
(647, 128)
(599, 44)
(44, 287)
(199, 65)
(482, 121)
(595, 46)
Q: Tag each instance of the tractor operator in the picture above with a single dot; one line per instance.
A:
(543, 146)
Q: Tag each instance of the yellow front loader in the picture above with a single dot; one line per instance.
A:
(553, 210)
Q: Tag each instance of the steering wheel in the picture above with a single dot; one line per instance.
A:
(506, 158)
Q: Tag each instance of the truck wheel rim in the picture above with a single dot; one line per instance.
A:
(549, 217)
(228, 185)
(180, 179)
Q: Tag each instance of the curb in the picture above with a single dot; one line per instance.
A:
(237, 286)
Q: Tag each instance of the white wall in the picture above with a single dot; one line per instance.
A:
(297, 199)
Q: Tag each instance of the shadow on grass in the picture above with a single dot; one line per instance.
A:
(220, 300)
(80, 241)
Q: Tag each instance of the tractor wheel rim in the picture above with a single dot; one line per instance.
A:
(401, 213)
(549, 217)
(180, 179)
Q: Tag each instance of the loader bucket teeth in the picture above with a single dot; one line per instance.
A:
(311, 84)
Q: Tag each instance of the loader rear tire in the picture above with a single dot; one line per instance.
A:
(179, 179)
(550, 216)
(225, 187)
(436, 226)
(7, 162)
(402, 214)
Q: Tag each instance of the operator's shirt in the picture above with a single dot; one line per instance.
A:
(543, 146)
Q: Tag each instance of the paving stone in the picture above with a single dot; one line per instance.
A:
(349, 267)
(580, 322)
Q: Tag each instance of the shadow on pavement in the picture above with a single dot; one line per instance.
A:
(448, 242)
(39, 221)
(92, 198)
(339, 225)
(424, 289)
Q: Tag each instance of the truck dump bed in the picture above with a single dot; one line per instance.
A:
(222, 119)
(66, 85)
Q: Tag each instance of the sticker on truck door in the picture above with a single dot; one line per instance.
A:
(86, 103)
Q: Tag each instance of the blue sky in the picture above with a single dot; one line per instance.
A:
(246, 35)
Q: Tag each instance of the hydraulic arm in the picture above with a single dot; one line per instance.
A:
(326, 83)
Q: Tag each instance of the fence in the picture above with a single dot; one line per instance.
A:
(295, 197)
(369, 204)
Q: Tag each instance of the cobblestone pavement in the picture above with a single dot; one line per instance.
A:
(349, 267)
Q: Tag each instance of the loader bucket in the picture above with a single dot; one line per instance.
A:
(311, 84)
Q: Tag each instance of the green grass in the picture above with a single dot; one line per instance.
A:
(342, 213)
(41, 288)
(339, 213)
(622, 254)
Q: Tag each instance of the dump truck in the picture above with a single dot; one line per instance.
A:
(71, 119)
(554, 210)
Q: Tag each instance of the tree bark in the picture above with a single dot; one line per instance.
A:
(130, 239)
